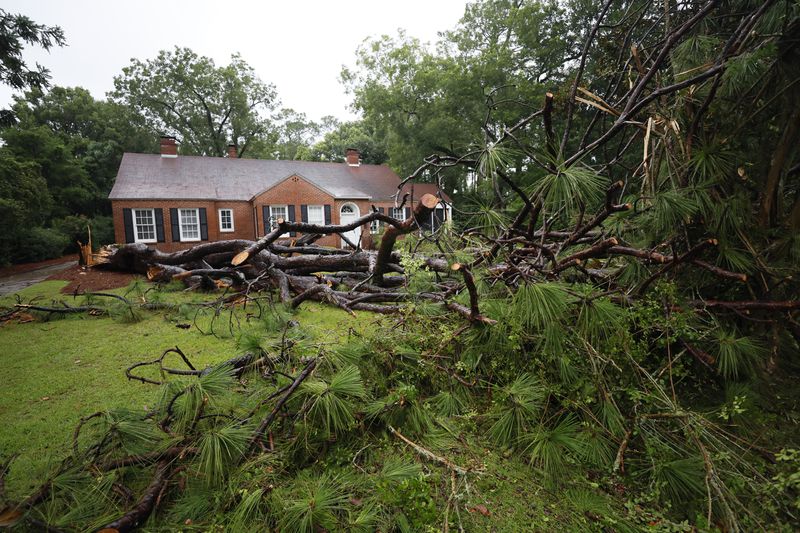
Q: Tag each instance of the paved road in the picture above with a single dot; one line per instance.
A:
(16, 282)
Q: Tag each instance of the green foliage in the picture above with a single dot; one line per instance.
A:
(37, 244)
(313, 502)
(515, 408)
(539, 305)
(403, 409)
(396, 470)
(18, 31)
(671, 210)
(737, 356)
(409, 497)
(208, 389)
(348, 353)
(219, 447)
(571, 188)
(599, 318)
(447, 404)
(125, 430)
(680, 479)
(175, 90)
(552, 447)
(788, 479)
(329, 404)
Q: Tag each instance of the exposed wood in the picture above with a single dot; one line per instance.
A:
(469, 282)
(429, 454)
(422, 211)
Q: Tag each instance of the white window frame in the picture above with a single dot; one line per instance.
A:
(321, 219)
(273, 220)
(181, 225)
(400, 210)
(152, 213)
(375, 226)
(219, 216)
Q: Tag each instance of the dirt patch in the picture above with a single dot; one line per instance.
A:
(82, 279)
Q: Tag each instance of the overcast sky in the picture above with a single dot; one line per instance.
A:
(300, 46)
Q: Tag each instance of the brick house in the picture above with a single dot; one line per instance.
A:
(174, 202)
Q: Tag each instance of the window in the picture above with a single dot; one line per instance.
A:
(375, 226)
(189, 224)
(316, 215)
(397, 212)
(226, 219)
(144, 225)
(276, 212)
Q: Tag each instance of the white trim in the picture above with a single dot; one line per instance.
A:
(180, 224)
(219, 217)
(136, 227)
(313, 184)
(355, 234)
(274, 220)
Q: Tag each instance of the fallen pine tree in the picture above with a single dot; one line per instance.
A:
(617, 313)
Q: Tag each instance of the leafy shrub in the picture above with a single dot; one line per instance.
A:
(38, 244)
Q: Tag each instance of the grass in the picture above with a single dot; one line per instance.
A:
(56, 371)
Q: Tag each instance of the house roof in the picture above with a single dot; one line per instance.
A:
(419, 189)
(150, 176)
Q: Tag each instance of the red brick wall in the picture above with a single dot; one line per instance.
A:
(293, 191)
(296, 191)
(242, 220)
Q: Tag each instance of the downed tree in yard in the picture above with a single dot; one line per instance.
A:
(610, 313)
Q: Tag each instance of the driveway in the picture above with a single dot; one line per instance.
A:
(18, 281)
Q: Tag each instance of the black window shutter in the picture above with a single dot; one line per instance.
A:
(303, 213)
(127, 222)
(327, 214)
(203, 224)
(159, 224)
(291, 219)
(265, 214)
(173, 221)
(408, 212)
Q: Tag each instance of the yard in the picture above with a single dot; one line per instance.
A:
(59, 369)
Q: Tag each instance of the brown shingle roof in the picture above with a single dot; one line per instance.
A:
(150, 176)
(418, 189)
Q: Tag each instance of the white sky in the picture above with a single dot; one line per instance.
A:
(299, 46)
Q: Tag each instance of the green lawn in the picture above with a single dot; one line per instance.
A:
(56, 371)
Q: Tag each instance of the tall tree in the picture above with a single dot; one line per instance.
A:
(357, 134)
(77, 142)
(205, 106)
(15, 32)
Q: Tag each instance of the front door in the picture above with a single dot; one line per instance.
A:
(348, 213)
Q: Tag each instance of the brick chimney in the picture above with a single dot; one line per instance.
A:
(232, 151)
(353, 157)
(169, 146)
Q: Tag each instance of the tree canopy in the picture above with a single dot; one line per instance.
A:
(206, 107)
(15, 32)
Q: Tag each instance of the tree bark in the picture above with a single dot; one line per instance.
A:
(423, 210)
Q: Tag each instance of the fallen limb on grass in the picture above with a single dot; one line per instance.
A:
(429, 454)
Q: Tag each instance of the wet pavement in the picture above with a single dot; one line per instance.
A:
(16, 282)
